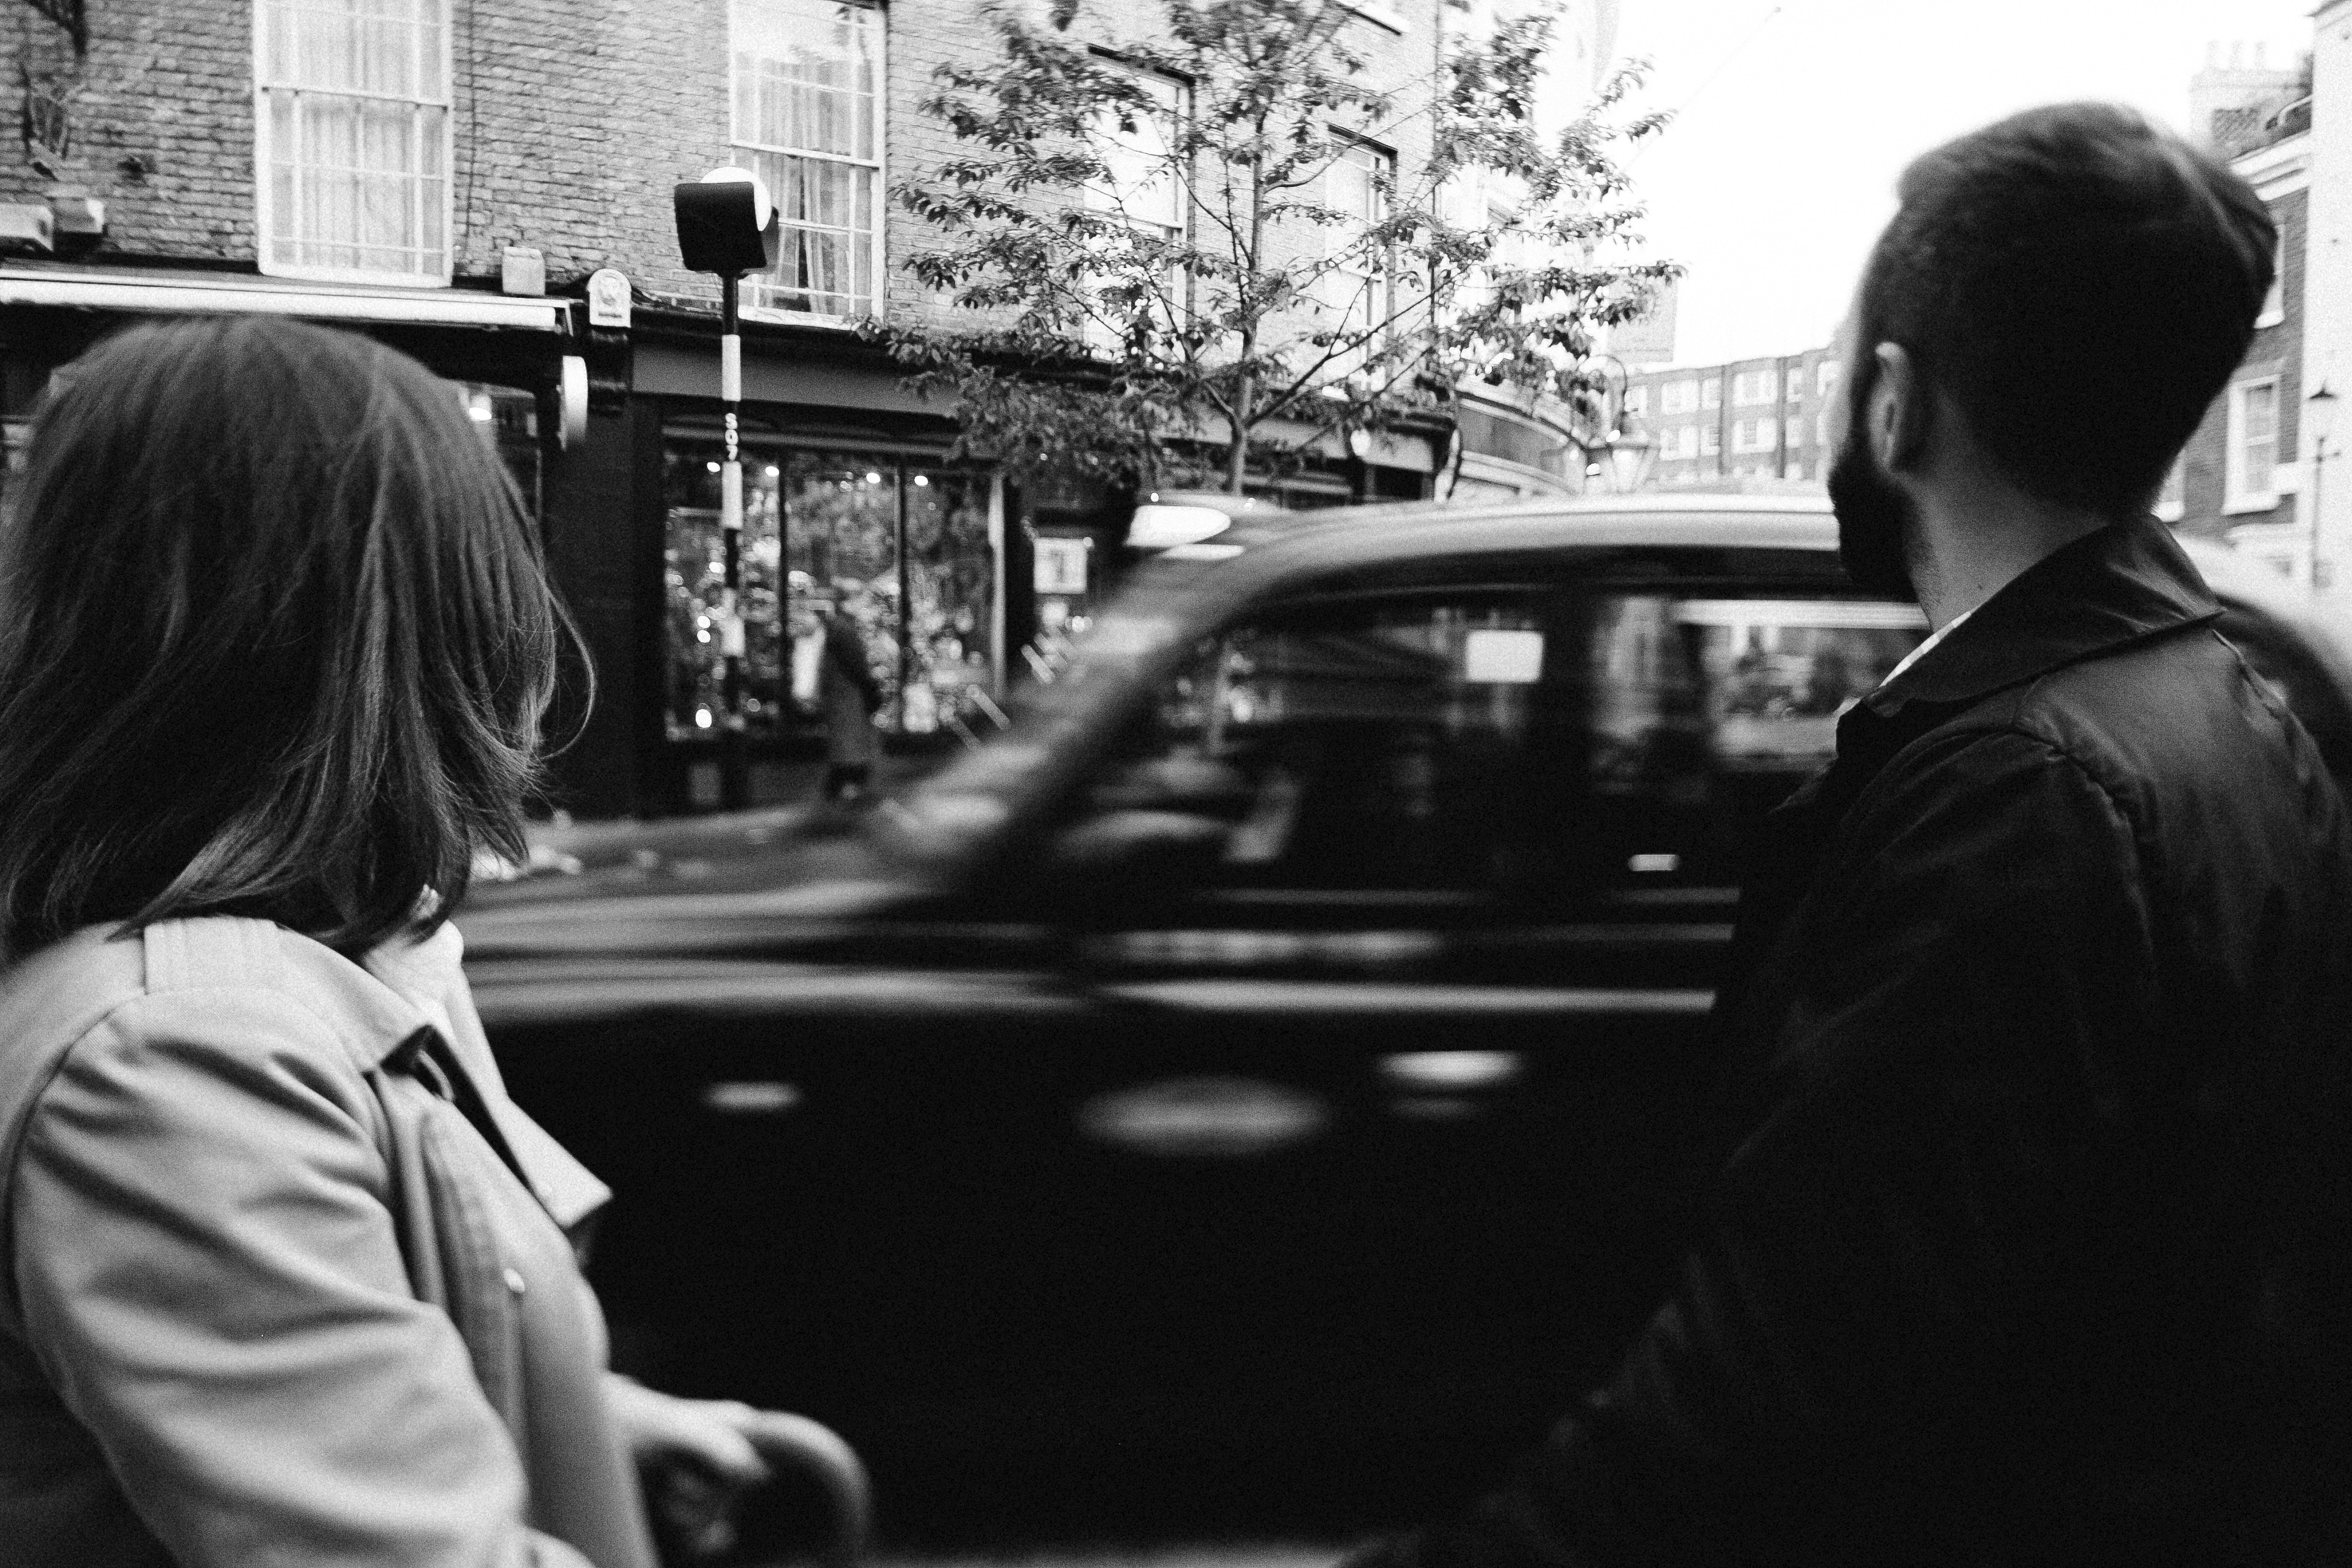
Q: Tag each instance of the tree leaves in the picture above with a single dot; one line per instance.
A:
(1313, 286)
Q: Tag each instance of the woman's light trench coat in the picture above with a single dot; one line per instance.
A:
(289, 1277)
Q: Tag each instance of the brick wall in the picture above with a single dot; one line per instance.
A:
(162, 122)
(572, 120)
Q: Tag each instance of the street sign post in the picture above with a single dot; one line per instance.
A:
(727, 226)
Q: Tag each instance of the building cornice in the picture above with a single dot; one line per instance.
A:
(2282, 168)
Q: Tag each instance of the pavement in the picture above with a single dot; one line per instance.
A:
(777, 810)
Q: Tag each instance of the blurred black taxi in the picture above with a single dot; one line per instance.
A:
(1256, 1090)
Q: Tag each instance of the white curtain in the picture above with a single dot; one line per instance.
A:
(357, 126)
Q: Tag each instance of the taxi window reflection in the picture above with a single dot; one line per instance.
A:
(1532, 744)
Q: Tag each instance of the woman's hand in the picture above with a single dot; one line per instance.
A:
(695, 1456)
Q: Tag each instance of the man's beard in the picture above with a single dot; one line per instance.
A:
(1873, 518)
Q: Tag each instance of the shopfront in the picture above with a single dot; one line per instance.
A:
(899, 544)
(502, 356)
(850, 508)
(956, 583)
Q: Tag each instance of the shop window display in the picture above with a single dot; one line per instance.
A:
(16, 440)
(952, 588)
(898, 549)
(507, 417)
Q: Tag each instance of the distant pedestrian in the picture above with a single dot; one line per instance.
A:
(2033, 1240)
(288, 1279)
(840, 684)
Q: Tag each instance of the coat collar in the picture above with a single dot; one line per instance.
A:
(376, 1004)
(2118, 585)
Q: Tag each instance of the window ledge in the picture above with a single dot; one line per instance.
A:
(799, 317)
(359, 276)
(2233, 506)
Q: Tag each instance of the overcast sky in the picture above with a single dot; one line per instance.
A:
(1780, 168)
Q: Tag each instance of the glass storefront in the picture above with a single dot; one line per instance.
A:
(15, 441)
(897, 547)
(507, 417)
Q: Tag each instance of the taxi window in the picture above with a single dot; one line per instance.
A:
(1536, 744)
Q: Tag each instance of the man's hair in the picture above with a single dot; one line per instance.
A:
(276, 639)
(2081, 284)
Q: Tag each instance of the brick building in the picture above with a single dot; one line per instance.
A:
(448, 176)
(2239, 478)
(1754, 423)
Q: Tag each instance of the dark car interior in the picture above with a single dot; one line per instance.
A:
(1491, 748)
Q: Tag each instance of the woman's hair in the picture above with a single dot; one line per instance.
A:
(275, 638)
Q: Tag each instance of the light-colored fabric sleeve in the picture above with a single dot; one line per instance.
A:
(209, 1274)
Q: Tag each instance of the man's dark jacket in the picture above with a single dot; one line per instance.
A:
(2033, 1247)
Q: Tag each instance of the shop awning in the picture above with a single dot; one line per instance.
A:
(209, 294)
(1389, 449)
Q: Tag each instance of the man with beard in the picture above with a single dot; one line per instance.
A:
(2030, 1245)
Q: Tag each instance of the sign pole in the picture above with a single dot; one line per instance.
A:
(728, 226)
(734, 770)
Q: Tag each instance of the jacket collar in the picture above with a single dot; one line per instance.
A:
(2118, 585)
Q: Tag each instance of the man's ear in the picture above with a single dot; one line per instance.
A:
(1901, 409)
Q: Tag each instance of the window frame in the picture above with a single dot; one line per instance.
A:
(1094, 333)
(2171, 503)
(879, 282)
(2236, 496)
(264, 150)
(2273, 311)
(1384, 163)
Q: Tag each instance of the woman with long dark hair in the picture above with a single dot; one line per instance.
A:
(290, 1279)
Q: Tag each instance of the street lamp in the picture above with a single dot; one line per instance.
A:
(1630, 450)
(727, 225)
(2318, 417)
(1599, 451)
